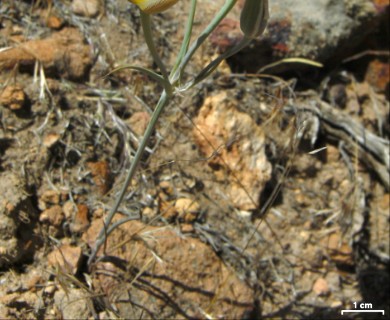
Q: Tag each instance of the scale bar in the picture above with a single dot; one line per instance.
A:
(346, 311)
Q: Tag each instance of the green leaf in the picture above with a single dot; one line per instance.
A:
(146, 71)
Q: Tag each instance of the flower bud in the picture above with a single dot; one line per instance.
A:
(153, 6)
(254, 17)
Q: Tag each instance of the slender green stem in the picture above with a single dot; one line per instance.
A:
(146, 26)
(164, 100)
(187, 36)
(229, 4)
(148, 72)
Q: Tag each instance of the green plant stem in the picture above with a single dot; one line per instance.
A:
(146, 27)
(164, 100)
(187, 36)
(229, 4)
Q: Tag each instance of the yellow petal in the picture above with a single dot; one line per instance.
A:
(153, 6)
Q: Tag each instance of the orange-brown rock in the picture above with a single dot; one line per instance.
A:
(176, 276)
(53, 215)
(66, 257)
(339, 251)
(100, 171)
(48, 198)
(80, 220)
(188, 209)
(378, 75)
(64, 53)
(321, 287)
(51, 19)
(12, 97)
(235, 146)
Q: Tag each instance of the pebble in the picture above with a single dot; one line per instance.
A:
(66, 257)
(86, 8)
(80, 220)
(54, 216)
(13, 97)
(321, 287)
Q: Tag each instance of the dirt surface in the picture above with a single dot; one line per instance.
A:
(258, 196)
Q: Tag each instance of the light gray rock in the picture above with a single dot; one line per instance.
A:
(326, 31)
(315, 29)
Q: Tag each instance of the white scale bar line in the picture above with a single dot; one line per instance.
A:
(381, 311)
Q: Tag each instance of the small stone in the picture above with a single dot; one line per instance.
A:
(51, 19)
(13, 97)
(98, 213)
(80, 220)
(54, 216)
(339, 251)
(101, 175)
(69, 209)
(148, 212)
(50, 197)
(378, 75)
(86, 8)
(184, 205)
(54, 22)
(187, 209)
(51, 139)
(320, 287)
(66, 257)
(187, 228)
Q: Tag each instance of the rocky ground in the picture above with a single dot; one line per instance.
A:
(264, 192)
